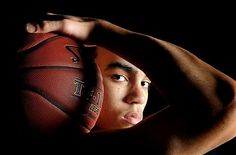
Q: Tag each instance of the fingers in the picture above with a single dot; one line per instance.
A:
(31, 28)
(51, 22)
(76, 27)
(44, 26)
(70, 17)
(45, 23)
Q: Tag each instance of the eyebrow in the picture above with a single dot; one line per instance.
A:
(120, 66)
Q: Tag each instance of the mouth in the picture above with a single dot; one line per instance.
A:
(133, 118)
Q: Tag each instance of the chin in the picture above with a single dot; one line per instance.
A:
(125, 125)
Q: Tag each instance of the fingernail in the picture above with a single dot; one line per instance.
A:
(31, 28)
(50, 13)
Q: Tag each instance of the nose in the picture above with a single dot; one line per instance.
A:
(136, 95)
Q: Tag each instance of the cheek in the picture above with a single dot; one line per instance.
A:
(113, 96)
(146, 96)
(145, 100)
(112, 104)
(113, 92)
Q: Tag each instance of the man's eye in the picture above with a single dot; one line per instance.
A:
(118, 77)
(145, 84)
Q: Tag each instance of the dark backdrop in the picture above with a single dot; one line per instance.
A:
(207, 30)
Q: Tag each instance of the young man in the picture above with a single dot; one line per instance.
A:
(202, 106)
(126, 92)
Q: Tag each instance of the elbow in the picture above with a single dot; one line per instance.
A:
(226, 91)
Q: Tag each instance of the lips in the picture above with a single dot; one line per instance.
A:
(133, 117)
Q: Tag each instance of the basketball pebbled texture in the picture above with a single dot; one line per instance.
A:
(60, 86)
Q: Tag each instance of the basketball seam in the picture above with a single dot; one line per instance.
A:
(41, 93)
(73, 116)
(24, 52)
(56, 104)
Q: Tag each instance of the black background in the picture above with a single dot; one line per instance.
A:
(207, 30)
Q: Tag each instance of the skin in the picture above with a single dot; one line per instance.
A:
(202, 100)
(126, 91)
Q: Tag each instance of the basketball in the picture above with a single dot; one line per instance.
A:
(60, 85)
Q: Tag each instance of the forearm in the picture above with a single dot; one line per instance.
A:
(202, 99)
(184, 78)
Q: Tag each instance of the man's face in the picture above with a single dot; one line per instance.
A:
(125, 92)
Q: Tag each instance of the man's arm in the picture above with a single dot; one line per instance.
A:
(202, 111)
